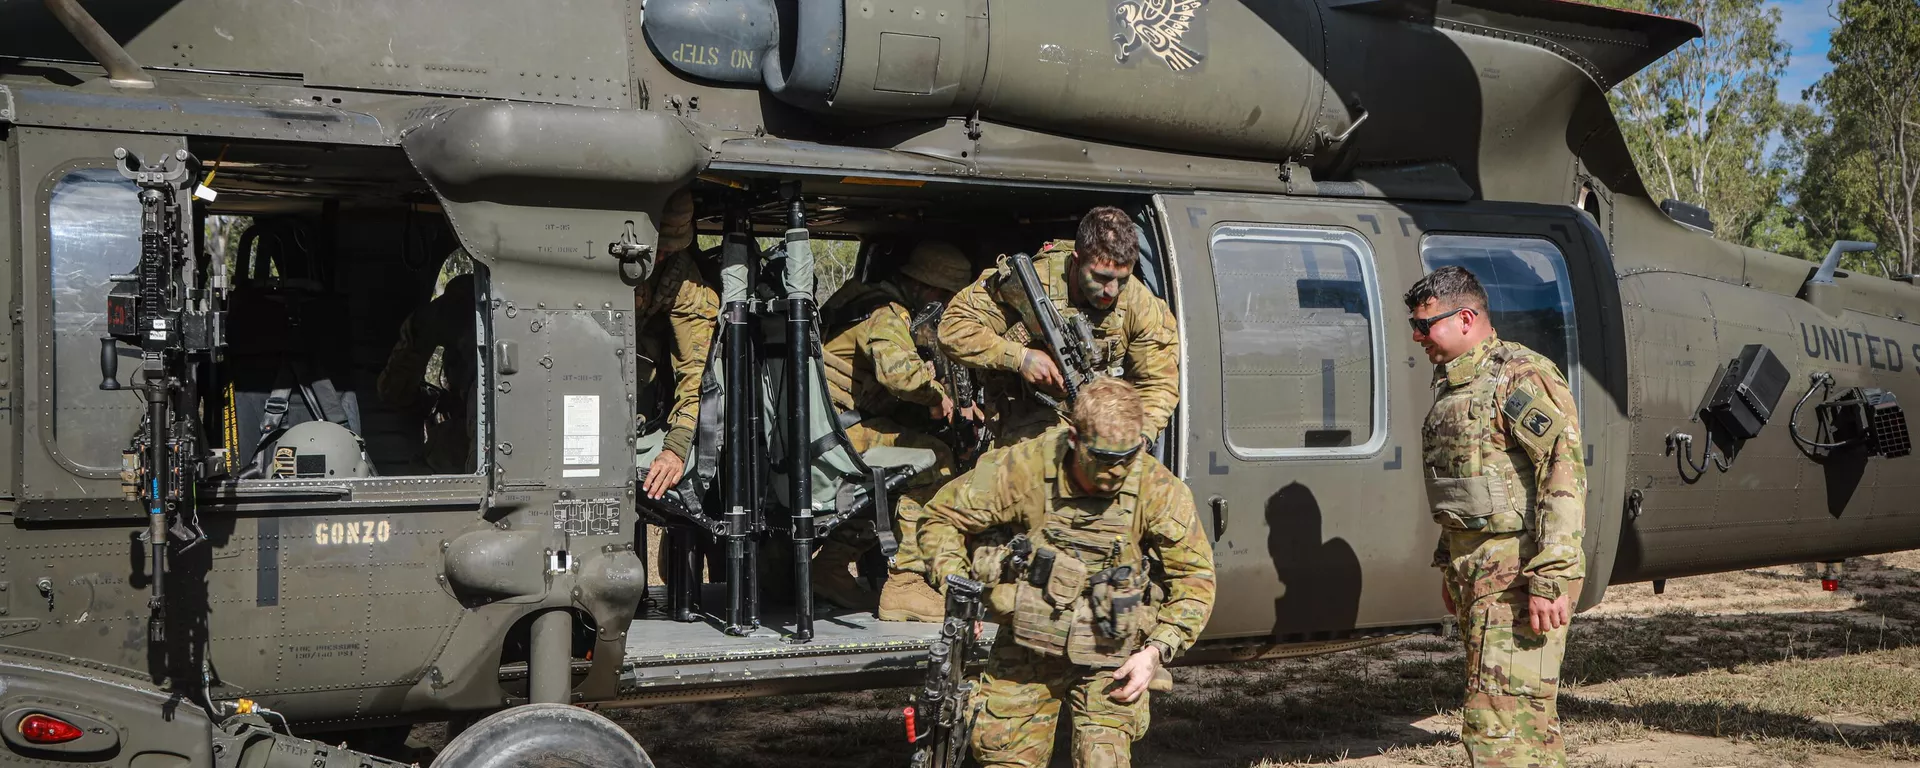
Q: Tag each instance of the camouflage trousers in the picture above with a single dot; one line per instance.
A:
(1019, 707)
(1510, 719)
(909, 508)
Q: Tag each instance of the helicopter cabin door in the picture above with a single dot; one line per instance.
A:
(1302, 401)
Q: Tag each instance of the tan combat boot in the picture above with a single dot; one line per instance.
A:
(833, 577)
(908, 597)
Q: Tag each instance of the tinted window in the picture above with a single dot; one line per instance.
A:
(94, 223)
(1298, 341)
(1528, 293)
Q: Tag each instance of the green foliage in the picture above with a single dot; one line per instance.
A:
(1699, 120)
(1861, 178)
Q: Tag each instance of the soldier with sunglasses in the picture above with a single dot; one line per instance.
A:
(1109, 576)
(1507, 484)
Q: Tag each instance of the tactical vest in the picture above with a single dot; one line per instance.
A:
(1076, 585)
(846, 308)
(1474, 477)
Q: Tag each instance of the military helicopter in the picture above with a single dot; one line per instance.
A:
(178, 590)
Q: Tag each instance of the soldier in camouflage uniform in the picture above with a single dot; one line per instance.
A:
(1507, 485)
(677, 295)
(875, 375)
(1084, 616)
(446, 323)
(1134, 334)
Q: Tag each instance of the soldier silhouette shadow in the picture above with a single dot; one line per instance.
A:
(1320, 580)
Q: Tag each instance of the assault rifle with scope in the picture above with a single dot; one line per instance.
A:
(170, 309)
(1068, 340)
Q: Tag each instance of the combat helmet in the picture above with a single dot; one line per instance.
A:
(319, 449)
(939, 264)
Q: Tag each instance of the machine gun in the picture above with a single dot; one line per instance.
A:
(944, 704)
(1070, 342)
(170, 309)
(968, 438)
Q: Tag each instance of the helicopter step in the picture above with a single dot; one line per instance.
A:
(670, 661)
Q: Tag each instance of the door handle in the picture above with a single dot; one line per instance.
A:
(1219, 504)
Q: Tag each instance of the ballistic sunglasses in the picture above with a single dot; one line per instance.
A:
(1115, 458)
(1424, 325)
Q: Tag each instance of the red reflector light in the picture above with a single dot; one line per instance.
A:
(41, 729)
(912, 732)
(1829, 585)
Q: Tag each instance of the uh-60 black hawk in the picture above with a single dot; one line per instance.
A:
(217, 535)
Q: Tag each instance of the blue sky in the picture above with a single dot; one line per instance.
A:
(1805, 25)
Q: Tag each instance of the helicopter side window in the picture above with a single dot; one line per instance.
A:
(93, 222)
(1530, 297)
(1299, 342)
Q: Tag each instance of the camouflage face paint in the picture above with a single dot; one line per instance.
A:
(1100, 280)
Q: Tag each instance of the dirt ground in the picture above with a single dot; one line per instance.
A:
(1753, 669)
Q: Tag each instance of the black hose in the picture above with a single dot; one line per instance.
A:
(1820, 379)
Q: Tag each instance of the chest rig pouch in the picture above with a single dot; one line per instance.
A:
(1085, 591)
(1473, 484)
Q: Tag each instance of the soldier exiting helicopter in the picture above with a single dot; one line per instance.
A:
(1134, 336)
(1508, 487)
(886, 397)
(1114, 578)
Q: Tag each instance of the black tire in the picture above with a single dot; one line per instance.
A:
(544, 736)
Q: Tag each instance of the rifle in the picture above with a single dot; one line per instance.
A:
(1070, 342)
(970, 438)
(171, 310)
(944, 704)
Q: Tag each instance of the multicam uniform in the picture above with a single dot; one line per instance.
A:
(1507, 482)
(1136, 340)
(679, 294)
(873, 370)
(1051, 646)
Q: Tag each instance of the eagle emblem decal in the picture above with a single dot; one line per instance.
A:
(1159, 25)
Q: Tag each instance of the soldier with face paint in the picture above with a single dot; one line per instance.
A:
(1134, 334)
(1110, 577)
(1508, 487)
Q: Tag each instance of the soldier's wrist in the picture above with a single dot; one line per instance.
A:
(678, 442)
(1164, 651)
(1546, 588)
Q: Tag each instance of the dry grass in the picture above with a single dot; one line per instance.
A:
(1758, 669)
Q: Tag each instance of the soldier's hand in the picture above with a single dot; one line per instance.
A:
(973, 414)
(1446, 596)
(943, 411)
(1546, 615)
(1137, 673)
(1038, 369)
(664, 473)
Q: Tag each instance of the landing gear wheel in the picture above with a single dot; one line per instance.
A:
(544, 736)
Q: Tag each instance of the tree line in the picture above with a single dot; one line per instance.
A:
(1707, 126)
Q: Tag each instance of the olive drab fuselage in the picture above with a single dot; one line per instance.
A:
(1264, 158)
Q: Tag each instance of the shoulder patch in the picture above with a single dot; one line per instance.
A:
(1537, 422)
(1517, 403)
